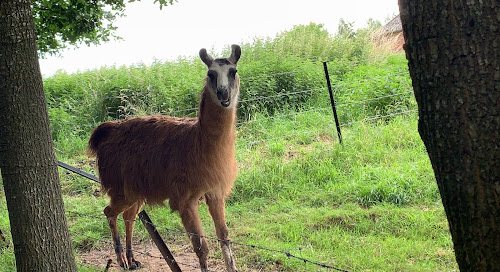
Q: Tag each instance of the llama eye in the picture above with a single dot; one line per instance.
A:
(232, 72)
(211, 75)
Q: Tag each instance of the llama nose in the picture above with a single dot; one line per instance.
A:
(222, 94)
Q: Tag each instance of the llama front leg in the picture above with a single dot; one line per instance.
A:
(192, 224)
(129, 217)
(216, 208)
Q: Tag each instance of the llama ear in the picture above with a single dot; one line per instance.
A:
(205, 57)
(235, 54)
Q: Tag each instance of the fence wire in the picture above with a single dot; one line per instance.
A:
(326, 128)
(336, 86)
(286, 253)
(279, 95)
(379, 117)
(318, 68)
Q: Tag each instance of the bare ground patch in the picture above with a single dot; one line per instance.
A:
(151, 259)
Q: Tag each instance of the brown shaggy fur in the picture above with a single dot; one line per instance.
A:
(154, 158)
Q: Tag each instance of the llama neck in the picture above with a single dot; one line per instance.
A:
(215, 122)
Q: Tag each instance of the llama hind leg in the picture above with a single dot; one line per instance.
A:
(112, 211)
(216, 208)
(129, 217)
(192, 224)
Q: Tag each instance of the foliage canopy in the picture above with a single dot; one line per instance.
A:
(72, 22)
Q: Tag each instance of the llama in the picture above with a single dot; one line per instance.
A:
(154, 158)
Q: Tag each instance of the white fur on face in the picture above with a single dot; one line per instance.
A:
(225, 79)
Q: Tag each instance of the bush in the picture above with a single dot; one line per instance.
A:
(274, 82)
(374, 90)
(280, 74)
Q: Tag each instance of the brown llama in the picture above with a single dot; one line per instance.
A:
(153, 158)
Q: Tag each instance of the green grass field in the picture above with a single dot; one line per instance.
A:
(369, 204)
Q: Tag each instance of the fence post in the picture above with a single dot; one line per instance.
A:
(332, 101)
(165, 252)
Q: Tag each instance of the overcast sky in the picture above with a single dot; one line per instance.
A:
(189, 25)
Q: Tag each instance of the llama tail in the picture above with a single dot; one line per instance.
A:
(99, 134)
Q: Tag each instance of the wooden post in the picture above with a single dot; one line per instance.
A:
(165, 252)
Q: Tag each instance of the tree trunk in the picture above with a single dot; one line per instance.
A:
(27, 161)
(453, 52)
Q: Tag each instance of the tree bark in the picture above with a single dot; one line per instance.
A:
(27, 161)
(453, 52)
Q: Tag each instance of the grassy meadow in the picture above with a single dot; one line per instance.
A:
(368, 204)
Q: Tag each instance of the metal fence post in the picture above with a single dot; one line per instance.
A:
(332, 101)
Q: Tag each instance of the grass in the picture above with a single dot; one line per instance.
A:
(370, 204)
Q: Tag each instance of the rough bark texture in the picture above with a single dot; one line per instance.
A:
(453, 51)
(29, 169)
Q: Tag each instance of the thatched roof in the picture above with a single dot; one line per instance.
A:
(394, 26)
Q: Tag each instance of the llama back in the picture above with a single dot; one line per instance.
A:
(132, 153)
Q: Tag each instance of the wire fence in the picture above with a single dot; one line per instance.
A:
(338, 87)
(394, 97)
(317, 68)
(235, 244)
(313, 131)
(254, 85)
(317, 130)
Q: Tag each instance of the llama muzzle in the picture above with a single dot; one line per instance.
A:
(224, 97)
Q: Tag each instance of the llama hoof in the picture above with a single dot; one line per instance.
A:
(134, 265)
(122, 263)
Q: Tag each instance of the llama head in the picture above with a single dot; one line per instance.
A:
(222, 81)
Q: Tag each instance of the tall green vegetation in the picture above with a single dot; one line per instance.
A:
(368, 204)
(280, 74)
